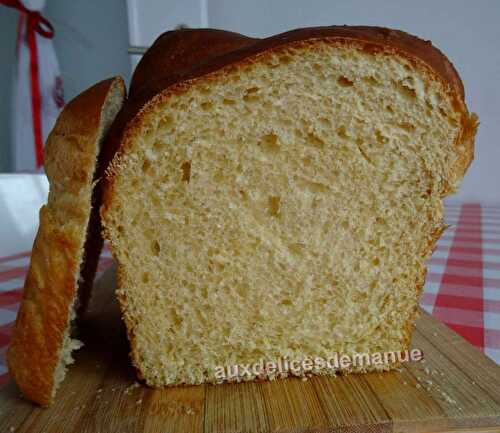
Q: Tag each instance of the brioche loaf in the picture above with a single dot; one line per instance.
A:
(278, 198)
(67, 246)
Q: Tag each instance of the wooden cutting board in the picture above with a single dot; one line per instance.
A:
(457, 388)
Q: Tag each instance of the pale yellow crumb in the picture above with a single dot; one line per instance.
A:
(286, 208)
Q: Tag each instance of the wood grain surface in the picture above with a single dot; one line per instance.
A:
(456, 388)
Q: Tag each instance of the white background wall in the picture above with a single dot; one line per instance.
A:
(467, 31)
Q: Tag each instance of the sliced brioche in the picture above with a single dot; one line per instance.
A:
(67, 245)
(278, 199)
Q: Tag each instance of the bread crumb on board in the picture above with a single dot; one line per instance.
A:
(431, 385)
(129, 389)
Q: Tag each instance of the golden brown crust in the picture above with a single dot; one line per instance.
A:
(51, 283)
(465, 146)
(178, 50)
(185, 54)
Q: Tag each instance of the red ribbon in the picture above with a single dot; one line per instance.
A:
(35, 23)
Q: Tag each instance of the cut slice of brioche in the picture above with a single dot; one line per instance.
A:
(67, 245)
(278, 198)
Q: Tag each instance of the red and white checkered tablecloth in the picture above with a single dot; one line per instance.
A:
(462, 287)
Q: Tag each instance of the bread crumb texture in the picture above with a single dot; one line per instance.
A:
(281, 207)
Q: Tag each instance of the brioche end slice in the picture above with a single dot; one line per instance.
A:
(279, 201)
(66, 248)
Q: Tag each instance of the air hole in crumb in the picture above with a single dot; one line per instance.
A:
(251, 90)
(406, 91)
(121, 229)
(244, 195)
(385, 301)
(219, 176)
(274, 205)
(186, 171)
(272, 64)
(251, 94)
(165, 122)
(145, 277)
(155, 248)
(314, 140)
(298, 132)
(407, 126)
(286, 302)
(212, 252)
(285, 59)
(443, 113)
(389, 108)
(370, 79)
(158, 146)
(156, 201)
(345, 82)
(311, 186)
(285, 122)
(227, 101)
(269, 143)
(381, 138)
(146, 166)
(296, 248)
(342, 132)
(207, 105)
(376, 261)
(307, 161)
